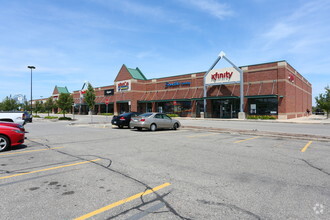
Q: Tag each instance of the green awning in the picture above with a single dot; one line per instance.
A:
(171, 100)
(125, 101)
(165, 100)
(103, 103)
(222, 97)
(260, 96)
(197, 99)
(144, 101)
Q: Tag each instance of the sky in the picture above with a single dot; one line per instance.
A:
(73, 41)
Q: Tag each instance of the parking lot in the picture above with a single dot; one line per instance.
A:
(77, 171)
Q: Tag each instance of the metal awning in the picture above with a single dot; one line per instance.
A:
(103, 103)
(221, 97)
(197, 99)
(171, 100)
(165, 100)
(260, 96)
(144, 101)
(124, 101)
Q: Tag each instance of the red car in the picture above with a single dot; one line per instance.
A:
(10, 136)
(21, 127)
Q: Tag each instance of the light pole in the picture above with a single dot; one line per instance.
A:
(31, 67)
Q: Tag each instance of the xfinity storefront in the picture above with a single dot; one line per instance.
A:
(222, 106)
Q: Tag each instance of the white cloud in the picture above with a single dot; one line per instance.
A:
(212, 7)
(304, 29)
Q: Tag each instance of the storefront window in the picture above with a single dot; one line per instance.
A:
(263, 106)
(182, 108)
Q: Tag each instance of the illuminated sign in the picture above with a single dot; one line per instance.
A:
(223, 76)
(123, 86)
(167, 84)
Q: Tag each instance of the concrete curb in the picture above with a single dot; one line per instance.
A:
(262, 133)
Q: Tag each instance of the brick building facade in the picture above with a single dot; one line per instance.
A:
(274, 88)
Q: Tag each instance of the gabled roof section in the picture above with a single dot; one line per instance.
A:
(62, 90)
(136, 73)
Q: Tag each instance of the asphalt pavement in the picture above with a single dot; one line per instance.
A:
(313, 127)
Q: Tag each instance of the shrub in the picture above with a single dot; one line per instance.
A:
(36, 116)
(65, 118)
(109, 114)
(269, 117)
(173, 115)
(51, 117)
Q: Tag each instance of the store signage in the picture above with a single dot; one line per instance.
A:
(167, 84)
(123, 86)
(109, 92)
(291, 77)
(223, 76)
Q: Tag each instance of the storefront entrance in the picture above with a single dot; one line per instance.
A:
(225, 108)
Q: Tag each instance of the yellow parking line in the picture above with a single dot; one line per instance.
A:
(201, 135)
(306, 146)
(28, 151)
(105, 208)
(246, 139)
(51, 168)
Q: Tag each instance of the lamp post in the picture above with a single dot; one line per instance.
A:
(31, 67)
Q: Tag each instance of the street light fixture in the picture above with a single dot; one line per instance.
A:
(31, 67)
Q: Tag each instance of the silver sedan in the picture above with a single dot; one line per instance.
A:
(154, 121)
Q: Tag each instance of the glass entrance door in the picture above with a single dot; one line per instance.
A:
(225, 108)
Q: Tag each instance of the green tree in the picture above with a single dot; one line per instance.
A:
(323, 101)
(90, 97)
(49, 105)
(38, 106)
(9, 104)
(64, 102)
(26, 106)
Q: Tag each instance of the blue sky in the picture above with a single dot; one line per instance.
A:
(72, 41)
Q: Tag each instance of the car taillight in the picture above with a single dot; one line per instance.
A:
(142, 119)
(122, 118)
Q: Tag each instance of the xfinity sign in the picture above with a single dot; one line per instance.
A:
(222, 76)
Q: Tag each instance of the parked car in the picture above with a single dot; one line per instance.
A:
(28, 116)
(10, 136)
(11, 124)
(13, 116)
(154, 121)
(123, 119)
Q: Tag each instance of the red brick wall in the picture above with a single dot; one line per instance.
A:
(263, 79)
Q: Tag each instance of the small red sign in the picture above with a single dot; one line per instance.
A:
(107, 101)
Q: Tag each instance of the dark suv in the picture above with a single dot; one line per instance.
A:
(123, 119)
(28, 117)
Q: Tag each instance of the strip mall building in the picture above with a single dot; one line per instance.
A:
(274, 88)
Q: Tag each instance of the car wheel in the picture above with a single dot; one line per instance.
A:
(153, 127)
(4, 143)
(175, 126)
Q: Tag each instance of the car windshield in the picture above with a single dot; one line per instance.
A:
(146, 115)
